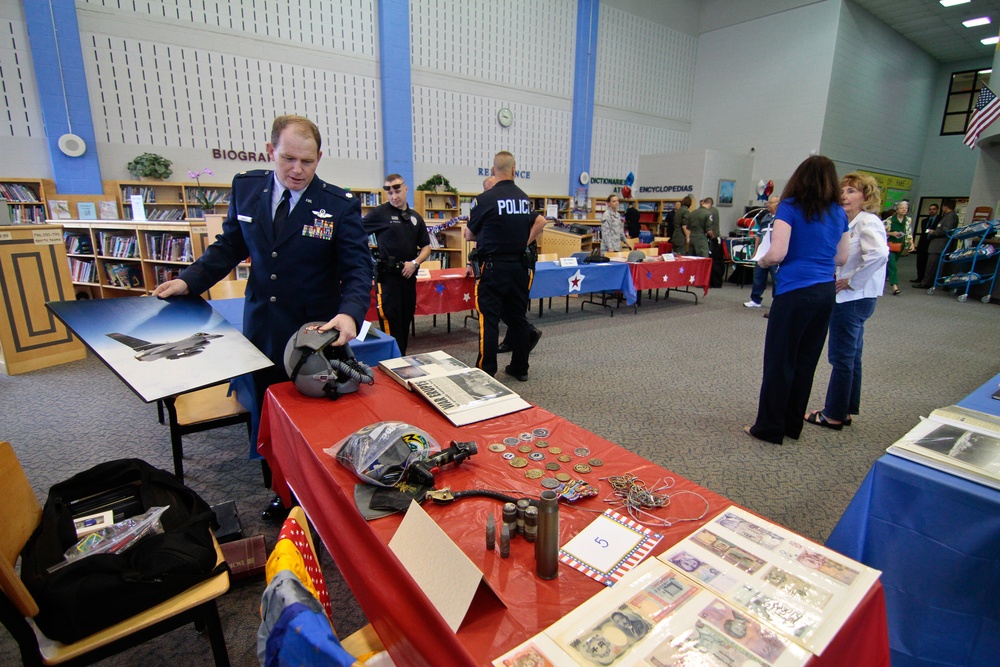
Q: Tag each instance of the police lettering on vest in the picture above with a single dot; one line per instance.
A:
(513, 206)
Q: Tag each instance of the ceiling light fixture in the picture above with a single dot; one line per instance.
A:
(990, 40)
(972, 23)
(952, 3)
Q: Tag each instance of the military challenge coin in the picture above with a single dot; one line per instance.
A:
(497, 447)
(533, 473)
(518, 462)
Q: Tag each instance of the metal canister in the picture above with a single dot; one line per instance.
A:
(547, 544)
(531, 524)
(510, 517)
(522, 505)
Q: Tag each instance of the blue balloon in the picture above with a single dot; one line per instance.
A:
(630, 179)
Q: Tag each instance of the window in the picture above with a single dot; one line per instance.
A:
(962, 95)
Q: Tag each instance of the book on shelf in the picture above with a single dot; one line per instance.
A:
(59, 209)
(739, 590)
(462, 394)
(18, 193)
(109, 210)
(958, 441)
(86, 210)
(123, 275)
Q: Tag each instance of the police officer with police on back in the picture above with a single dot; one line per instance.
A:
(503, 224)
(403, 244)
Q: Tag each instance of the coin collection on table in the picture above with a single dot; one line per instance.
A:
(533, 447)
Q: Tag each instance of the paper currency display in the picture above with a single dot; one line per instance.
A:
(739, 590)
(957, 441)
(798, 588)
(656, 617)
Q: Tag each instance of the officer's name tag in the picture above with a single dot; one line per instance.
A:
(567, 261)
(244, 218)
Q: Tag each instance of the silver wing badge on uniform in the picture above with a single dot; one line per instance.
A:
(322, 214)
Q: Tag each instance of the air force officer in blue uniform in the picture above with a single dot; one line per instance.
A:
(309, 254)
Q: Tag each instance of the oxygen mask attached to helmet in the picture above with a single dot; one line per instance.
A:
(318, 368)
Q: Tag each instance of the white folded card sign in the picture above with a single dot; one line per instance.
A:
(567, 261)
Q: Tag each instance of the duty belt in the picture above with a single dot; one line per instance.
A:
(500, 258)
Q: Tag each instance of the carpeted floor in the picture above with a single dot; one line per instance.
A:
(674, 383)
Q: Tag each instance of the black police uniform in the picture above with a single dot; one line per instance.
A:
(501, 218)
(400, 235)
(317, 267)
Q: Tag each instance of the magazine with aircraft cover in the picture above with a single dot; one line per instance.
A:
(958, 441)
(464, 395)
(161, 347)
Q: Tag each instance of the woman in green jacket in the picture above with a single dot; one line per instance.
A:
(899, 229)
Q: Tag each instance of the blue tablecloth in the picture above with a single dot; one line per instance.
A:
(936, 538)
(376, 347)
(553, 280)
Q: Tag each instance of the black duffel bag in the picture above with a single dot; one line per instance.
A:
(95, 592)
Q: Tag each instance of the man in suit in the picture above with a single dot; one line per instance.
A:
(930, 223)
(308, 251)
(939, 241)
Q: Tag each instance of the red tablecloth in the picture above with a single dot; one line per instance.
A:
(446, 291)
(294, 432)
(678, 273)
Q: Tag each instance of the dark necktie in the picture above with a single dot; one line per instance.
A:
(281, 213)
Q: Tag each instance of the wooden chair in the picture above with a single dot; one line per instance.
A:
(201, 410)
(228, 289)
(19, 519)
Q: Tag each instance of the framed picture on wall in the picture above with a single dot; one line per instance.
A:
(727, 189)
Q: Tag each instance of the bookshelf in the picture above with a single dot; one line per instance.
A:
(437, 206)
(166, 201)
(111, 259)
(563, 205)
(25, 199)
(448, 246)
(369, 199)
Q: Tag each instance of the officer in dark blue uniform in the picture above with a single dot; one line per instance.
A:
(308, 251)
(503, 224)
(403, 244)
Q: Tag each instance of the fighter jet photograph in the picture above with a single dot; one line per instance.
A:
(190, 346)
(125, 331)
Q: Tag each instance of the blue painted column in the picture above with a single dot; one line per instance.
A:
(62, 88)
(394, 71)
(587, 20)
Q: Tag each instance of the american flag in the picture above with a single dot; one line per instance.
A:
(987, 111)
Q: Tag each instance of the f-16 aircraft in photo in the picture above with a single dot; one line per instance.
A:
(146, 351)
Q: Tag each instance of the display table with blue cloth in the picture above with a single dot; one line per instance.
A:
(376, 347)
(936, 538)
(554, 280)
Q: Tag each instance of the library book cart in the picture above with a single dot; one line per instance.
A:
(980, 256)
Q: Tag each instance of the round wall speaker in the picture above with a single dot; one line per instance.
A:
(72, 145)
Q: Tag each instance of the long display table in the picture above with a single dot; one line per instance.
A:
(679, 275)
(936, 538)
(295, 431)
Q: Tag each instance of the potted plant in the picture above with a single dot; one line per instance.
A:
(437, 183)
(150, 165)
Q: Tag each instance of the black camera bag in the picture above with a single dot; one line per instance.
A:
(97, 591)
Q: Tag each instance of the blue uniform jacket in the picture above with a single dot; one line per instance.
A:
(318, 267)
